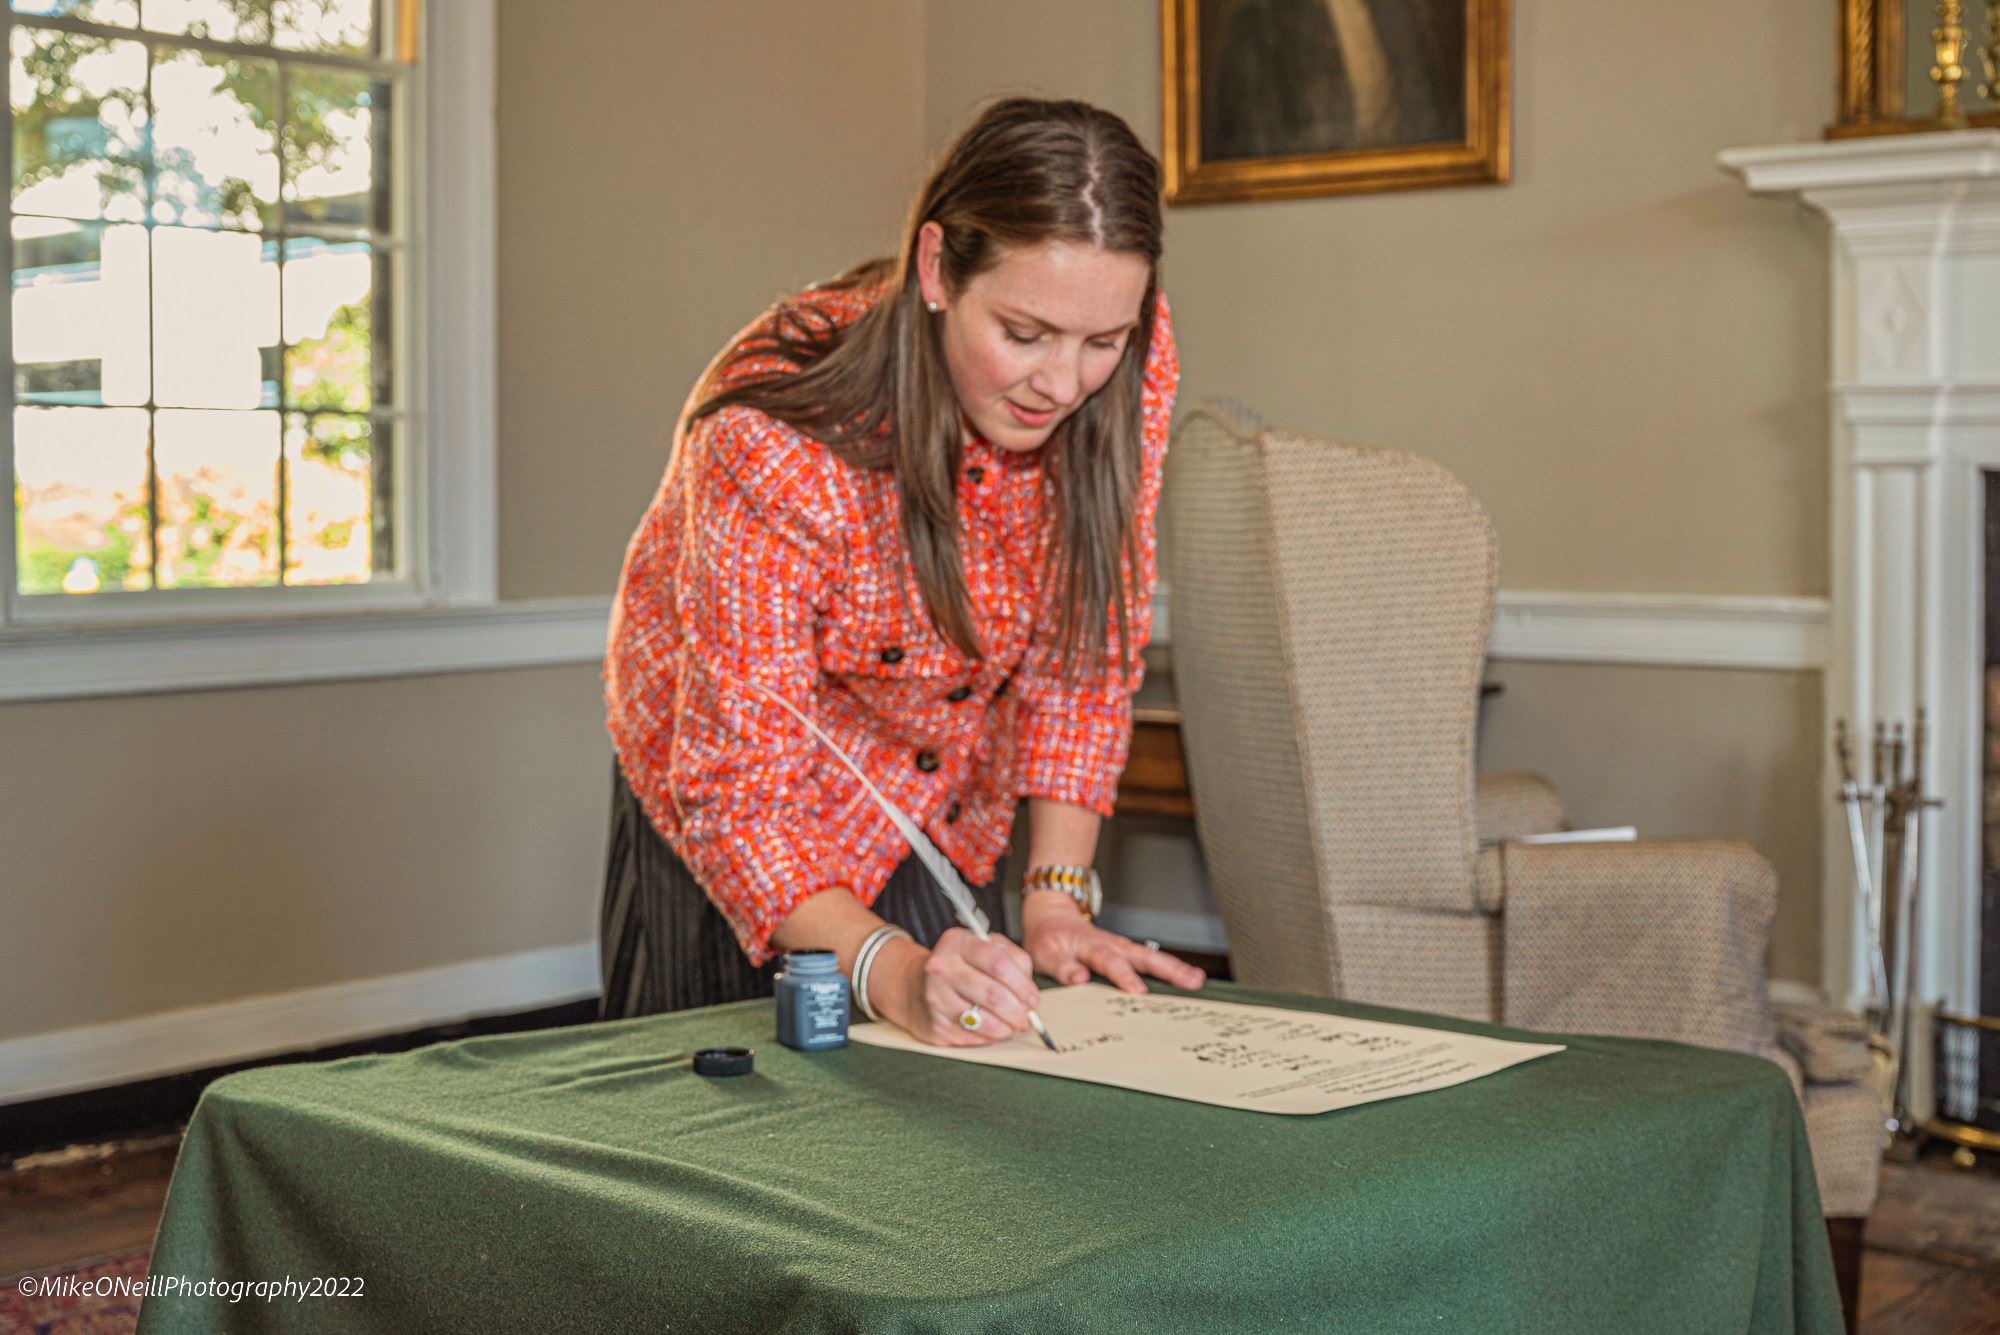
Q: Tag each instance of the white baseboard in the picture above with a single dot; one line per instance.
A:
(91, 1056)
(1171, 928)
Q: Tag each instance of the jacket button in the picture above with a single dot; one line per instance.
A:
(975, 474)
(892, 655)
(927, 761)
(951, 814)
(959, 693)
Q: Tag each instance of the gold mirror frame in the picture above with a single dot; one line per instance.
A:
(1482, 157)
(1873, 96)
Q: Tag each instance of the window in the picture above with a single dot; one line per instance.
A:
(214, 288)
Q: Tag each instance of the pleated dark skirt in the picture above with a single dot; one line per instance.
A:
(664, 946)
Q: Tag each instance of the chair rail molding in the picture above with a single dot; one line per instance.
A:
(64, 663)
(1692, 630)
(1914, 376)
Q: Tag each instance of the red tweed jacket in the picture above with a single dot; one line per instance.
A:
(766, 559)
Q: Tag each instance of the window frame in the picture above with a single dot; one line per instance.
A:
(447, 507)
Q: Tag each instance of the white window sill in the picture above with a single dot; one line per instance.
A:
(76, 662)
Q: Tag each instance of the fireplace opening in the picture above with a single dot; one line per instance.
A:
(1969, 1058)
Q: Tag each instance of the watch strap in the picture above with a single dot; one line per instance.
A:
(1079, 883)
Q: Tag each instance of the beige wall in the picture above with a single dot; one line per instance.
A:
(1617, 352)
(665, 171)
(1679, 752)
(1620, 351)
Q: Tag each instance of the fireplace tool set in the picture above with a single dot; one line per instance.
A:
(1885, 824)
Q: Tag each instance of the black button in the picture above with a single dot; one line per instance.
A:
(951, 814)
(976, 474)
(892, 655)
(927, 761)
(959, 693)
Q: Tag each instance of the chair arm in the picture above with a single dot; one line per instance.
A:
(1510, 803)
(1660, 938)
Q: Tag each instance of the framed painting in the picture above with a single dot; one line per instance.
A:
(1275, 99)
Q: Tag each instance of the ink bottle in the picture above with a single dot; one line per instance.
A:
(812, 1001)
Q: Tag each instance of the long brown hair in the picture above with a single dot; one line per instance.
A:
(879, 392)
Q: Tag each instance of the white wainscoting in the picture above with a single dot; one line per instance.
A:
(1672, 630)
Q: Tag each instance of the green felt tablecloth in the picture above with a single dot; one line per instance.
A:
(586, 1179)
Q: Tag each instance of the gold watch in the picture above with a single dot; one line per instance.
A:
(1079, 883)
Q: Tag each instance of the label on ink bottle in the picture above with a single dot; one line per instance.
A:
(826, 1010)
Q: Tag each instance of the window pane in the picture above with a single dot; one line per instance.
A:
(122, 13)
(336, 149)
(215, 319)
(80, 312)
(224, 20)
(80, 480)
(331, 304)
(216, 139)
(331, 487)
(326, 25)
(218, 479)
(79, 125)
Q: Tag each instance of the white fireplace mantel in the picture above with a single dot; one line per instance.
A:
(1915, 379)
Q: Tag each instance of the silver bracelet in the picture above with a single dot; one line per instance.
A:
(862, 958)
(864, 961)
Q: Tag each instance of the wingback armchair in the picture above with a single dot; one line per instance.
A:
(1330, 614)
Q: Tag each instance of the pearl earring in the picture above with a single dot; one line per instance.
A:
(931, 306)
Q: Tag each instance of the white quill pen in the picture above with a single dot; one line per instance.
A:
(942, 872)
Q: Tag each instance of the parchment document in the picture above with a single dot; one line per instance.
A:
(1235, 1056)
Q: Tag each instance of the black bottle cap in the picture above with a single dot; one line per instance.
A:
(723, 1061)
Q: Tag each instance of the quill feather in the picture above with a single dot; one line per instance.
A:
(941, 870)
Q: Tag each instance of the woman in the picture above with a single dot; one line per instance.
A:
(916, 505)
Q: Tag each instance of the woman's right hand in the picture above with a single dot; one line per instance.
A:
(924, 992)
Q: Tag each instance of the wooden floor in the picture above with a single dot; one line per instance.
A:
(1933, 1258)
(1932, 1264)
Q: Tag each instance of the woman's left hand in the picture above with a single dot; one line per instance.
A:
(1068, 947)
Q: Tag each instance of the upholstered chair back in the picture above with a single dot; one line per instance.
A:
(1329, 613)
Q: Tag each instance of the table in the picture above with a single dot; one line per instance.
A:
(1154, 781)
(585, 1179)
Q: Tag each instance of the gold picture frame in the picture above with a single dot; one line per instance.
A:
(1479, 98)
(1874, 83)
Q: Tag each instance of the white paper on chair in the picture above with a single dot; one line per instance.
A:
(1611, 834)
(1261, 1058)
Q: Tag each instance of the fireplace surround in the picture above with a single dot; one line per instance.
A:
(1914, 363)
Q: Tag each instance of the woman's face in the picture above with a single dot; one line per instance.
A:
(1033, 337)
